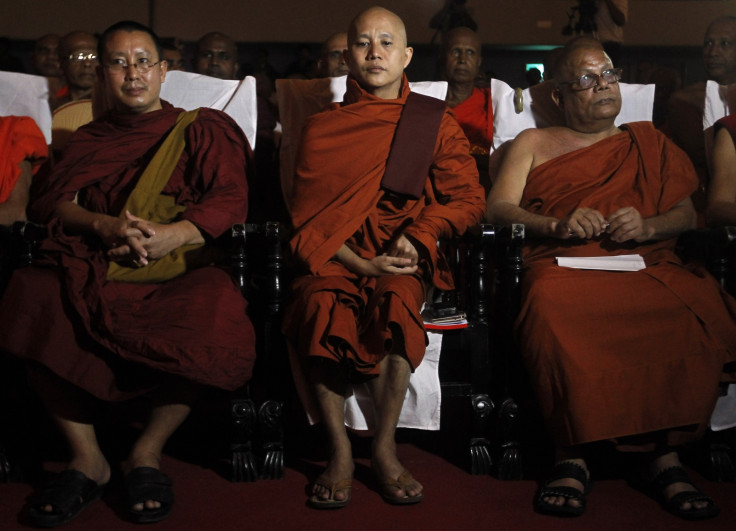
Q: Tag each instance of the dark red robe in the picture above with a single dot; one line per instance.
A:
(118, 339)
(475, 116)
(337, 198)
(613, 354)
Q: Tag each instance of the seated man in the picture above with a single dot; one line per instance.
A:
(721, 206)
(45, 62)
(332, 61)
(24, 150)
(168, 328)
(217, 56)
(368, 246)
(78, 60)
(636, 356)
(471, 105)
(686, 106)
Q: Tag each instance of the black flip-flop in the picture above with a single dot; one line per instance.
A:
(67, 494)
(147, 483)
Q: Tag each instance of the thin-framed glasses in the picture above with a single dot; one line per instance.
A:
(80, 57)
(142, 65)
(586, 81)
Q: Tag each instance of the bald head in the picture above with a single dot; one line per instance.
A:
(375, 13)
(719, 50)
(462, 57)
(566, 62)
(78, 61)
(377, 52)
(45, 56)
(217, 56)
(332, 60)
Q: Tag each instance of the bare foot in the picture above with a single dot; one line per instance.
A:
(340, 467)
(396, 482)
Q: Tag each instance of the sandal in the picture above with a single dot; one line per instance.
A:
(389, 485)
(564, 470)
(147, 483)
(67, 494)
(655, 488)
(315, 502)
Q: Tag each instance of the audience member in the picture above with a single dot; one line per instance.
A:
(117, 306)
(634, 356)
(24, 150)
(686, 106)
(721, 206)
(332, 61)
(45, 62)
(367, 245)
(471, 104)
(78, 60)
(304, 66)
(216, 55)
(173, 57)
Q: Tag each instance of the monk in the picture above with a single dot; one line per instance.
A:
(635, 357)
(721, 206)
(368, 253)
(24, 151)
(107, 313)
(472, 105)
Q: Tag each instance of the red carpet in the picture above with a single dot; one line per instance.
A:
(453, 500)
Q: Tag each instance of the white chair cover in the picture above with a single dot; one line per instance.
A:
(26, 95)
(298, 100)
(235, 97)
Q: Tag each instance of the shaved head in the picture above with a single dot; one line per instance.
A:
(566, 61)
(461, 33)
(381, 12)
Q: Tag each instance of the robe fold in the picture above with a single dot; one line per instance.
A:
(615, 354)
(337, 199)
(117, 339)
(475, 116)
(21, 139)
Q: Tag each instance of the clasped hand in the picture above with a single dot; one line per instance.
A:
(623, 225)
(401, 258)
(137, 240)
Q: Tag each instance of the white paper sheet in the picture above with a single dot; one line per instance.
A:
(624, 262)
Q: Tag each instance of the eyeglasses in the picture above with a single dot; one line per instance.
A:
(142, 65)
(586, 81)
(79, 57)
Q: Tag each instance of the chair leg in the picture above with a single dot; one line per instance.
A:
(271, 432)
(243, 415)
(480, 445)
(718, 455)
(509, 463)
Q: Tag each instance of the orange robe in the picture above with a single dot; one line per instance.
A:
(21, 139)
(338, 199)
(613, 354)
(475, 116)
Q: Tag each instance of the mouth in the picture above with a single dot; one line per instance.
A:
(134, 91)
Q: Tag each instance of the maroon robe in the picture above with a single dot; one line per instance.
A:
(614, 354)
(337, 198)
(118, 339)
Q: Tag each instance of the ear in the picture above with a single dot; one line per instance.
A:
(164, 69)
(409, 54)
(557, 98)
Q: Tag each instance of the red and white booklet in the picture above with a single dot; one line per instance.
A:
(449, 322)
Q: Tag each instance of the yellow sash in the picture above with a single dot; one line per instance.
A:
(147, 202)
